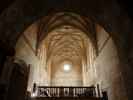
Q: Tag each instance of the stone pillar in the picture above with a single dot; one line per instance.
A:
(5, 50)
(17, 85)
(128, 73)
(126, 66)
(127, 77)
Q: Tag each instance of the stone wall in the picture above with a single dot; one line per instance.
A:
(108, 74)
(26, 50)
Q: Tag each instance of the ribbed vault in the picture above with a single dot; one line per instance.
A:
(66, 42)
(66, 21)
(65, 38)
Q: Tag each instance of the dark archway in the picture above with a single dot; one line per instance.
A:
(15, 19)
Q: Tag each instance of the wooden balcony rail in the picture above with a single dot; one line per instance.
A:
(44, 91)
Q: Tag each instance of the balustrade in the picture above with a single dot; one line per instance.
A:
(43, 91)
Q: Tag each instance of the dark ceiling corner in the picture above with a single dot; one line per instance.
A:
(127, 5)
(5, 4)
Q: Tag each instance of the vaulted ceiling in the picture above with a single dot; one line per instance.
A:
(66, 42)
(67, 20)
(108, 13)
(113, 16)
(66, 36)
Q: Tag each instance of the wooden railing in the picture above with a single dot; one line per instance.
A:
(44, 91)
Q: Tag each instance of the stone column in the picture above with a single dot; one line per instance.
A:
(128, 68)
(5, 50)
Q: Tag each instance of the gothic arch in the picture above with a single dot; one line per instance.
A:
(15, 19)
(22, 15)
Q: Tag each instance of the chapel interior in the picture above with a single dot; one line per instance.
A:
(66, 49)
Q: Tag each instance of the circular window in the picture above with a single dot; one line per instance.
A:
(67, 67)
